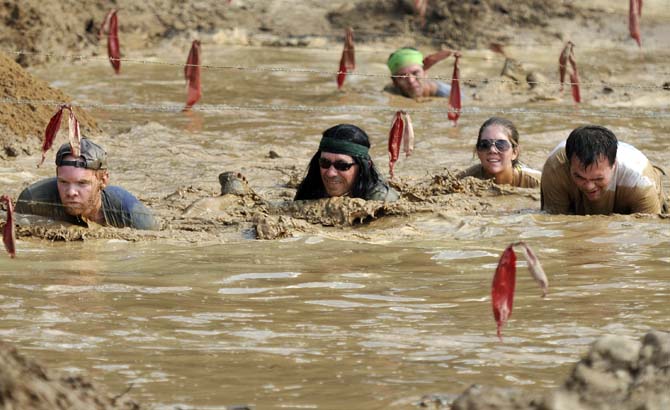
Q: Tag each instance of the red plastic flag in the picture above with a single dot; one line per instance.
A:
(111, 25)
(568, 56)
(535, 267)
(50, 133)
(8, 232)
(502, 289)
(498, 48)
(408, 136)
(395, 138)
(420, 6)
(52, 130)
(73, 133)
(504, 281)
(455, 94)
(192, 75)
(563, 62)
(634, 14)
(435, 58)
(348, 59)
(574, 77)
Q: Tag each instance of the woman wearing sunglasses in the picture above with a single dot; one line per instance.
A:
(342, 167)
(498, 151)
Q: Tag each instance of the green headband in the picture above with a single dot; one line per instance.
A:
(337, 146)
(404, 57)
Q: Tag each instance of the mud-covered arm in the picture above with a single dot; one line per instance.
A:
(382, 192)
(142, 217)
(41, 198)
(645, 200)
(555, 191)
(122, 209)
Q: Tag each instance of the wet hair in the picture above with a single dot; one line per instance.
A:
(589, 143)
(312, 187)
(508, 128)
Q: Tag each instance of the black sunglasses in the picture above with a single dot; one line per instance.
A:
(501, 145)
(339, 165)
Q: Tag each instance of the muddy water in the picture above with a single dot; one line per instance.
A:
(376, 319)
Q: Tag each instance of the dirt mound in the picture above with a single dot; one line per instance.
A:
(22, 124)
(25, 384)
(617, 373)
(40, 31)
(454, 23)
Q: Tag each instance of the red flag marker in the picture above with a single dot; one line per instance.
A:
(634, 14)
(111, 25)
(568, 56)
(502, 289)
(395, 138)
(408, 136)
(52, 130)
(498, 48)
(455, 94)
(8, 232)
(420, 6)
(348, 59)
(192, 75)
(504, 281)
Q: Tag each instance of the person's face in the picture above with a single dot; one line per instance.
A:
(594, 179)
(79, 189)
(412, 84)
(337, 182)
(495, 150)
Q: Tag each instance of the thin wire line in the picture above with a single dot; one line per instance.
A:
(219, 108)
(335, 73)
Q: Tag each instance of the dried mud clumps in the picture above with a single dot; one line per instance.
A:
(616, 374)
(25, 384)
(22, 122)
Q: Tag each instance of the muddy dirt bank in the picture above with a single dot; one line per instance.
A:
(616, 374)
(71, 27)
(26, 384)
(22, 124)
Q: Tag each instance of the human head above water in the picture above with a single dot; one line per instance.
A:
(590, 144)
(346, 144)
(508, 129)
(404, 57)
(408, 75)
(80, 180)
(345, 139)
(92, 156)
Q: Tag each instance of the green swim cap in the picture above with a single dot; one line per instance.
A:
(403, 57)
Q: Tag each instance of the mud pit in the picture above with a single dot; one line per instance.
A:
(425, 260)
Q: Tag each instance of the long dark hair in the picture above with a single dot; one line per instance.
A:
(312, 187)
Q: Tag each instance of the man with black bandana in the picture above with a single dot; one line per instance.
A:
(79, 193)
(342, 167)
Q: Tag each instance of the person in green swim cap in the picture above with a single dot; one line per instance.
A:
(409, 77)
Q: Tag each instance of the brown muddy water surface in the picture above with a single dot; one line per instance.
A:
(333, 321)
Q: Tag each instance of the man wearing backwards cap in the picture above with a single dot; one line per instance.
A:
(79, 193)
(343, 167)
(409, 78)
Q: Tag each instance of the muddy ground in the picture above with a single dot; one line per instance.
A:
(37, 33)
(616, 374)
(26, 384)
